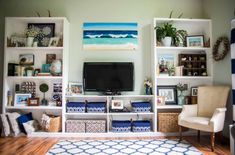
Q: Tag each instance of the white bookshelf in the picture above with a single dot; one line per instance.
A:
(193, 27)
(11, 55)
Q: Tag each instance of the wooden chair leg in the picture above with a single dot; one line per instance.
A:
(180, 130)
(212, 141)
(198, 135)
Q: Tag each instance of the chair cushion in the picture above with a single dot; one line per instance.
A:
(198, 123)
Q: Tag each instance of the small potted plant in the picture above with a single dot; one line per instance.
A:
(168, 34)
(31, 33)
(181, 88)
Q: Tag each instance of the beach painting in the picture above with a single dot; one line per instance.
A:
(110, 36)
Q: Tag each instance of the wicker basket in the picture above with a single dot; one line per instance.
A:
(55, 123)
(168, 122)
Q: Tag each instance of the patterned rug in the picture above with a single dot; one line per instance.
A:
(123, 147)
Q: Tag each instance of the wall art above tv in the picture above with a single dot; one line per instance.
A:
(110, 36)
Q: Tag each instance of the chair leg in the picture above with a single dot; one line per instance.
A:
(212, 141)
(180, 130)
(198, 135)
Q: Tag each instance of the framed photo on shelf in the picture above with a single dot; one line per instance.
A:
(75, 88)
(195, 41)
(54, 41)
(33, 102)
(165, 62)
(26, 59)
(21, 99)
(194, 91)
(160, 100)
(170, 94)
(117, 105)
(50, 58)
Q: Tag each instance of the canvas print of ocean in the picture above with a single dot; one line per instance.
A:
(110, 36)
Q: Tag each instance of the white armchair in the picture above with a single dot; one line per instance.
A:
(209, 114)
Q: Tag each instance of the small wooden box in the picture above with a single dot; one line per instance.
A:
(168, 122)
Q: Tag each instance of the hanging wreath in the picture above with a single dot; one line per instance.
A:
(219, 55)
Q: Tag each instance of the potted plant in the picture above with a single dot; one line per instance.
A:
(31, 33)
(181, 89)
(168, 34)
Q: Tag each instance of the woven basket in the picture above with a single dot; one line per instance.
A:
(55, 124)
(168, 122)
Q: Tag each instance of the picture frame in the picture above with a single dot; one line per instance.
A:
(169, 92)
(26, 59)
(194, 91)
(166, 61)
(117, 105)
(33, 102)
(48, 30)
(21, 99)
(195, 41)
(50, 58)
(54, 42)
(75, 88)
(160, 100)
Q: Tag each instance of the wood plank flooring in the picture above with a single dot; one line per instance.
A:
(39, 146)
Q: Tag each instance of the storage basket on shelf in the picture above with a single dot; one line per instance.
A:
(75, 126)
(141, 126)
(95, 126)
(95, 107)
(141, 106)
(51, 123)
(75, 107)
(168, 122)
(121, 126)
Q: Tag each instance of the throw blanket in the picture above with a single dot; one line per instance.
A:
(233, 68)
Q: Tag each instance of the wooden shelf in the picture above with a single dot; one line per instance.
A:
(35, 107)
(86, 114)
(170, 107)
(34, 77)
(35, 48)
(183, 48)
(116, 96)
(130, 113)
(184, 77)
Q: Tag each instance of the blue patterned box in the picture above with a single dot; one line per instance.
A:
(75, 107)
(95, 107)
(141, 106)
(121, 126)
(141, 126)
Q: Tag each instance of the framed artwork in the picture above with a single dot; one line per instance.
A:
(165, 61)
(194, 91)
(33, 102)
(75, 88)
(47, 31)
(110, 36)
(57, 87)
(50, 58)
(54, 42)
(160, 100)
(26, 59)
(195, 41)
(117, 105)
(21, 99)
(170, 94)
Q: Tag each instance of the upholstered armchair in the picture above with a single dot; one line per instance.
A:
(208, 114)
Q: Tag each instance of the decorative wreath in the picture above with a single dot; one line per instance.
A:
(219, 55)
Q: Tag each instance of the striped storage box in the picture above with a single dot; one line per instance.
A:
(141, 126)
(95, 107)
(75, 126)
(75, 107)
(121, 126)
(141, 106)
(95, 126)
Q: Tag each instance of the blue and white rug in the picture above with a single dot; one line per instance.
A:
(123, 147)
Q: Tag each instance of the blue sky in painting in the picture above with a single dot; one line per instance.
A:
(110, 26)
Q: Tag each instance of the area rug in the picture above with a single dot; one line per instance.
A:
(123, 147)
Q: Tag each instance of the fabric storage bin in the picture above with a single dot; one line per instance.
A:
(121, 126)
(141, 106)
(75, 107)
(95, 126)
(141, 126)
(95, 107)
(75, 126)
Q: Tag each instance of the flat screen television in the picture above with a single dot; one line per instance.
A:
(108, 76)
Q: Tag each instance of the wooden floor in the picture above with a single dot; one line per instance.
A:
(39, 146)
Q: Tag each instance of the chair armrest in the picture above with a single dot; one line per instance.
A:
(217, 119)
(188, 110)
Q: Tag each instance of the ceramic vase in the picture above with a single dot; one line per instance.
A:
(30, 41)
(166, 41)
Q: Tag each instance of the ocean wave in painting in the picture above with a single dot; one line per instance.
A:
(109, 34)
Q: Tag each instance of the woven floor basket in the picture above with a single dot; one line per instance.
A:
(55, 124)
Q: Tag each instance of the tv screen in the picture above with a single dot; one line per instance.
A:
(108, 76)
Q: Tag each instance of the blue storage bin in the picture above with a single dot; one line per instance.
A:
(75, 107)
(95, 107)
(141, 126)
(141, 106)
(121, 126)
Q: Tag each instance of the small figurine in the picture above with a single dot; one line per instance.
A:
(148, 87)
